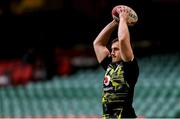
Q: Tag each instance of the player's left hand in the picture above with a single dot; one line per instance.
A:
(123, 13)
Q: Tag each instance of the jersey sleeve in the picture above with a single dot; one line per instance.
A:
(132, 65)
(131, 70)
(105, 62)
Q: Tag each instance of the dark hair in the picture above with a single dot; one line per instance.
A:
(113, 41)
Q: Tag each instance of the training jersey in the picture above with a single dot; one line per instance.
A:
(118, 86)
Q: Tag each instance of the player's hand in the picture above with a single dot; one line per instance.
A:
(123, 13)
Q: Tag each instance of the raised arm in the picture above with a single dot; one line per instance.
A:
(126, 51)
(101, 41)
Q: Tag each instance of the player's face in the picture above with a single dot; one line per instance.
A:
(115, 53)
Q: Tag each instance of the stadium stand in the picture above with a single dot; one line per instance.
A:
(156, 93)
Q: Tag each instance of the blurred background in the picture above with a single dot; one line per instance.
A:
(48, 67)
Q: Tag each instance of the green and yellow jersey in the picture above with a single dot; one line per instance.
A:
(118, 88)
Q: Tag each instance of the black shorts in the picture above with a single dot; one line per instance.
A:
(117, 112)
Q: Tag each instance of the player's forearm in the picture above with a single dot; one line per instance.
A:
(123, 31)
(105, 34)
(124, 39)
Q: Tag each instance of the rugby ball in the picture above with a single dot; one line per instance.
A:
(133, 17)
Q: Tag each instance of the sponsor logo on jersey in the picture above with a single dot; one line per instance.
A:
(106, 80)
